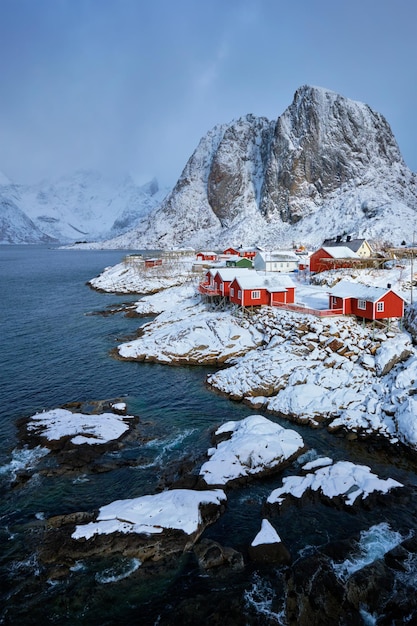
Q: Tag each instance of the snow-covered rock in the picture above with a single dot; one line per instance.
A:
(341, 480)
(80, 428)
(192, 334)
(391, 352)
(255, 446)
(267, 547)
(178, 509)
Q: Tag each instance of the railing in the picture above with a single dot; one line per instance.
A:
(207, 290)
(299, 308)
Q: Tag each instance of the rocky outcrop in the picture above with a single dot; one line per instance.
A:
(381, 591)
(86, 534)
(215, 559)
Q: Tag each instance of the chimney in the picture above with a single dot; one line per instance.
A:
(349, 237)
(338, 238)
(388, 285)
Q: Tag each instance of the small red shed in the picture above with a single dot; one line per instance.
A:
(367, 302)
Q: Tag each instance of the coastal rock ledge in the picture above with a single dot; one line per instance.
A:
(151, 527)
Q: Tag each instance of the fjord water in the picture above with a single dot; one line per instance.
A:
(55, 349)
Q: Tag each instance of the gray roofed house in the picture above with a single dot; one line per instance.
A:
(360, 246)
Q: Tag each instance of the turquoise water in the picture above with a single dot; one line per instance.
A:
(55, 350)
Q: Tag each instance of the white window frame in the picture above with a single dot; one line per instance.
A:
(362, 305)
(256, 295)
(380, 307)
(232, 291)
(239, 295)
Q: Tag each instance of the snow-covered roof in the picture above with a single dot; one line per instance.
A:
(353, 244)
(271, 282)
(340, 252)
(347, 289)
(278, 255)
(229, 273)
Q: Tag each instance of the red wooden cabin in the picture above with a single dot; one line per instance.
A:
(371, 303)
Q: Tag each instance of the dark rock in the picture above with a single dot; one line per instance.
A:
(213, 558)
(270, 553)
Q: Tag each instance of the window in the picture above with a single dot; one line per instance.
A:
(239, 294)
(256, 295)
(232, 292)
(334, 301)
(362, 305)
(379, 307)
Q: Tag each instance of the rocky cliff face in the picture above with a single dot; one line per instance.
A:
(327, 166)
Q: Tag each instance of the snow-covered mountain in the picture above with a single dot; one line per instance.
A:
(17, 227)
(327, 166)
(83, 206)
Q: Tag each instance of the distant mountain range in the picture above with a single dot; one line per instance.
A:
(85, 206)
(327, 166)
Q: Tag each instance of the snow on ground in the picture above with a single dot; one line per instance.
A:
(186, 332)
(131, 275)
(151, 514)
(342, 479)
(256, 445)
(90, 429)
(167, 299)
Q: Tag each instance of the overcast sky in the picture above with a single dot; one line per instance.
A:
(131, 86)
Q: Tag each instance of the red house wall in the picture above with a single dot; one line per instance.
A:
(355, 310)
(279, 296)
(290, 295)
(235, 286)
(393, 306)
(226, 284)
(249, 301)
(315, 260)
(337, 303)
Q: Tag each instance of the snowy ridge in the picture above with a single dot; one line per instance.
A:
(80, 207)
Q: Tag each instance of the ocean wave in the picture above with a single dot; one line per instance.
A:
(373, 544)
(259, 598)
(23, 458)
(118, 572)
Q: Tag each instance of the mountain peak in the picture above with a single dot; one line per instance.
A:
(327, 164)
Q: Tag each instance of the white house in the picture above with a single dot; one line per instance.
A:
(276, 261)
